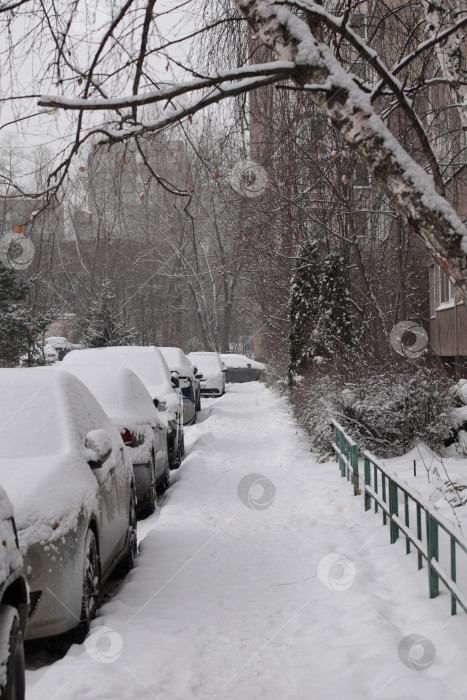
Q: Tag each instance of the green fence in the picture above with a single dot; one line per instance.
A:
(407, 515)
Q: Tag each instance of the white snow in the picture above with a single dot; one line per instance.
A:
(234, 360)
(147, 362)
(177, 360)
(261, 577)
(120, 392)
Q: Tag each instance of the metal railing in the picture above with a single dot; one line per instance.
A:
(419, 523)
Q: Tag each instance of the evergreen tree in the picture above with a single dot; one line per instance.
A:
(334, 328)
(319, 308)
(13, 320)
(22, 330)
(303, 304)
(106, 325)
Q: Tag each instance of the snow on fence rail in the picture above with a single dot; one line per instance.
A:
(420, 524)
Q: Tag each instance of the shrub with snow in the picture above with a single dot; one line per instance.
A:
(386, 407)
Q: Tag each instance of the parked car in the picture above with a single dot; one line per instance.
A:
(71, 482)
(126, 401)
(42, 354)
(241, 368)
(150, 366)
(61, 345)
(189, 378)
(213, 370)
(14, 604)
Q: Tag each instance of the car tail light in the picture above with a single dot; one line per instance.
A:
(128, 436)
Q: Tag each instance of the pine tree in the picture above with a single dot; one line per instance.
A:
(319, 308)
(105, 323)
(13, 325)
(22, 330)
(334, 329)
(303, 304)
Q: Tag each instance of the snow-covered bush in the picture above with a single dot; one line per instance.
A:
(386, 407)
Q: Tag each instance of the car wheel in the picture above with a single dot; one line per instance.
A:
(128, 561)
(148, 506)
(198, 404)
(177, 460)
(12, 652)
(91, 587)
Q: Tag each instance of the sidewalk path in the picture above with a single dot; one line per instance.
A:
(262, 578)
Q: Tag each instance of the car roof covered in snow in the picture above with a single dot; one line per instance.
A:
(45, 412)
(177, 360)
(120, 392)
(146, 361)
(235, 361)
(208, 361)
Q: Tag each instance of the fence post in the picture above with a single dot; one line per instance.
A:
(342, 451)
(432, 551)
(453, 574)
(367, 483)
(354, 459)
(393, 510)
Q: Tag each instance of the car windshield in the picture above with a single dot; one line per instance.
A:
(207, 364)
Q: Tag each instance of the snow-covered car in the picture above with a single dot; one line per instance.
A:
(61, 345)
(149, 364)
(212, 368)
(178, 362)
(14, 604)
(241, 368)
(70, 479)
(126, 401)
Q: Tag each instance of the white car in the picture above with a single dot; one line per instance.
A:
(150, 366)
(70, 479)
(213, 370)
(178, 362)
(126, 401)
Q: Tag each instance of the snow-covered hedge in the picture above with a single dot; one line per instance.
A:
(387, 406)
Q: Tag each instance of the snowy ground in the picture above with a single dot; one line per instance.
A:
(274, 588)
(436, 480)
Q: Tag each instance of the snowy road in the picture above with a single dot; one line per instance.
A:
(285, 591)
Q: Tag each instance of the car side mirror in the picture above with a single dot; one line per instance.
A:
(99, 447)
(175, 381)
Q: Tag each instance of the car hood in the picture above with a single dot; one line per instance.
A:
(48, 494)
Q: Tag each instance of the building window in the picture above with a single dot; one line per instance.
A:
(446, 288)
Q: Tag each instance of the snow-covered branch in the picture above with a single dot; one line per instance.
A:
(411, 191)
